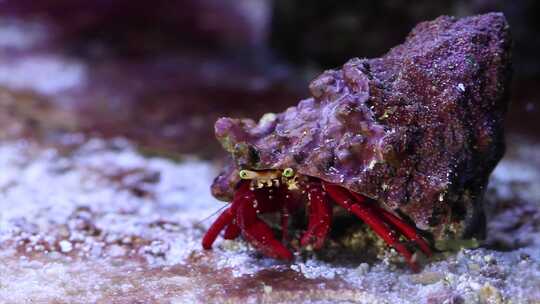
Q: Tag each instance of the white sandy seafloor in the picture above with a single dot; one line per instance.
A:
(104, 224)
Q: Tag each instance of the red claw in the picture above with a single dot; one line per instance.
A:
(224, 219)
(242, 218)
(244, 208)
(256, 232)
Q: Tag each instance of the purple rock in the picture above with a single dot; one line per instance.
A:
(419, 129)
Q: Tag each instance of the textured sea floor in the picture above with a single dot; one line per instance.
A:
(102, 223)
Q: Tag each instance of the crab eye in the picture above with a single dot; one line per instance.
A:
(248, 174)
(244, 174)
(288, 172)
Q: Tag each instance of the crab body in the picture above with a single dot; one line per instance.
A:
(405, 142)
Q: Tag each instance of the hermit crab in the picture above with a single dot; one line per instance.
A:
(275, 191)
(405, 143)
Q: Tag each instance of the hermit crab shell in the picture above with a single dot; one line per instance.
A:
(419, 129)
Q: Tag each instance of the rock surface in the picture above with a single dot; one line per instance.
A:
(419, 129)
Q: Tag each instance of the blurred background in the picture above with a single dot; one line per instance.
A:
(161, 72)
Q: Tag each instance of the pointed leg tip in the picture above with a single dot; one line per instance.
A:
(286, 256)
(206, 246)
(280, 252)
(274, 250)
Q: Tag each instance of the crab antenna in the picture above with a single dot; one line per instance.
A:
(213, 213)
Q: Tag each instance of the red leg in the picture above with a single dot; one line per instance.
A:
(288, 205)
(407, 230)
(255, 231)
(320, 214)
(231, 232)
(371, 218)
(224, 219)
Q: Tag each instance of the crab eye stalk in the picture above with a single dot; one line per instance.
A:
(247, 174)
(288, 172)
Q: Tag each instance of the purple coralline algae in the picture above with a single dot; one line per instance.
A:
(419, 129)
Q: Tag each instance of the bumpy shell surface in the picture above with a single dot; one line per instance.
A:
(419, 129)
